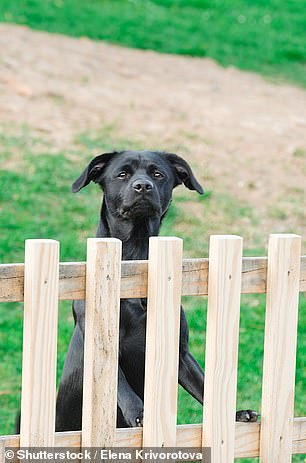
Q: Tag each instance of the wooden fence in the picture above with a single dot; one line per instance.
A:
(103, 280)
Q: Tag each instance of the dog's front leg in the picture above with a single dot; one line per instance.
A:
(191, 376)
(129, 402)
(70, 392)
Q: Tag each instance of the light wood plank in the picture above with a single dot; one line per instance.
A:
(39, 343)
(101, 342)
(280, 348)
(134, 279)
(188, 435)
(222, 331)
(162, 342)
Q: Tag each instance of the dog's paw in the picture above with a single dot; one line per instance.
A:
(139, 421)
(134, 418)
(246, 416)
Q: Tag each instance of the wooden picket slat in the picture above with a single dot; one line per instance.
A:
(280, 348)
(221, 359)
(101, 342)
(39, 343)
(162, 342)
(134, 278)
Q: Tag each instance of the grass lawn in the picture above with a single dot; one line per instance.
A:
(263, 36)
(36, 202)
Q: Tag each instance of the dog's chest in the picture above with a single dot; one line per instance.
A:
(133, 318)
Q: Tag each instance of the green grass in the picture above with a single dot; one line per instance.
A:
(263, 36)
(36, 202)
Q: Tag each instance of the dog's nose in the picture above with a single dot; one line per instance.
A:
(142, 185)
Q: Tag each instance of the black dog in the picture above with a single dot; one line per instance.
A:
(137, 190)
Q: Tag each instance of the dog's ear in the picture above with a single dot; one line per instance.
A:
(184, 173)
(92, 171)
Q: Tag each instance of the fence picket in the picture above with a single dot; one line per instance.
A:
(280, 348)
(39, 343)
(162, 342)
(222, 331)
(101, 342)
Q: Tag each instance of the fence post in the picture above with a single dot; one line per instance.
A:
(162, 342)
(103, 271)
(38, 398)
(222, 334)
(280, 348)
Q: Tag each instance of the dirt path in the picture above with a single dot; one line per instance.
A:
(247, 136)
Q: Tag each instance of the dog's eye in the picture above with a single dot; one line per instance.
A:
(158, 174)
(122, 174)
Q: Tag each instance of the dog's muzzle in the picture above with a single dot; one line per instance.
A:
(142, 207)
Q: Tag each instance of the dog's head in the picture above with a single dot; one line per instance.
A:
(137, 184)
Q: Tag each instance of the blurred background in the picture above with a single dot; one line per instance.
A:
(221, 83)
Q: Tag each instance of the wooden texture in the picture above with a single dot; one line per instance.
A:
(101, 342)
(280, 348)
(195, 282)
(190, 435)
(162, 342)
(221, 359)
(134, 275)
(39, 343)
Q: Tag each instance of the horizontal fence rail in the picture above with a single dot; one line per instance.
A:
(41, 281)
(134, 279)
(247, 438)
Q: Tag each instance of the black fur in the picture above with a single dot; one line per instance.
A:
(137, 190)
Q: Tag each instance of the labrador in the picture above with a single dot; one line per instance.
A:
(137, 187)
